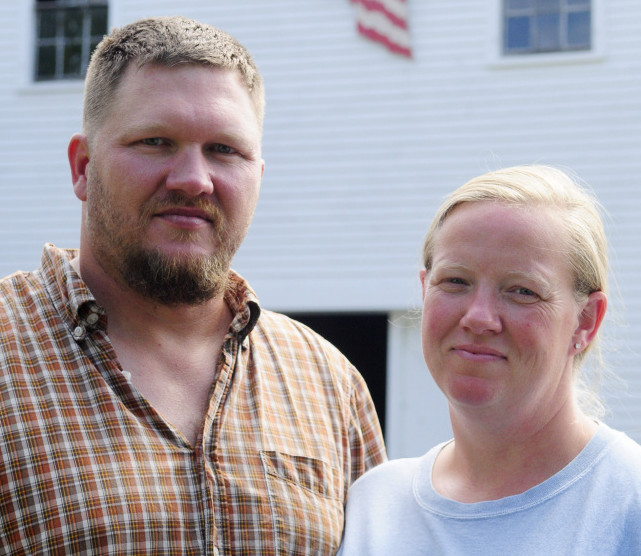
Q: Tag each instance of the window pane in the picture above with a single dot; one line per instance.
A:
(47, 24)
(547, 5)
(532, 26)
(73, 57)
(519, 4)
(98, 21)
(579, 30)
(518, 33)
(548, 32)
(73, 23)
(46, 62)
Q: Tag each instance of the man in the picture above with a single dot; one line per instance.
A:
(148, 405)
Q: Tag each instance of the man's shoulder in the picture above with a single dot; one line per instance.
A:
(18, 286)
(25, 292)
(274, 323)
(284, 333)
(52, 263)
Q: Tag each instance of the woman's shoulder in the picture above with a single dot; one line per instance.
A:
(620, 455)
(395, 475)
(618, 441)
(381, 509)
(395, 470)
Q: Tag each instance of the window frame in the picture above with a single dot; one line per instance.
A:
(85, 41)
(497, 58)
(532, 14)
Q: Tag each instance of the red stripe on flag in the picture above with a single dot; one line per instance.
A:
(376, 6)
(385, 21)
(374, 35)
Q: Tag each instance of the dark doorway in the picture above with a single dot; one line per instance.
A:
(362, 337)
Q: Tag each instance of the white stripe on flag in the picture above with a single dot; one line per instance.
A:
(385, 21)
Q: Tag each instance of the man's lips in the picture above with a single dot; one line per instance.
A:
(185, 215)
(478, 353)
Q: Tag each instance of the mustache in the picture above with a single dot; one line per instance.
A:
(175, 199)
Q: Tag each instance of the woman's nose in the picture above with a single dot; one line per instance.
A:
(482, 313)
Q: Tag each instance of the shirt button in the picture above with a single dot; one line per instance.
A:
(79, 332)
(93, 318)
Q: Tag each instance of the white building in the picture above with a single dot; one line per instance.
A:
(360, 147)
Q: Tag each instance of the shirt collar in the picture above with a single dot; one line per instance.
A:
(73, 299)
(243, 303)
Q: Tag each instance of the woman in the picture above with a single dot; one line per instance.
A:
(514, 292)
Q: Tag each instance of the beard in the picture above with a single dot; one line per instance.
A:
(179, 279)
(175, 280)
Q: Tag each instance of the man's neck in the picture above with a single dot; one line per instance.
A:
(134, 313)
(170, 352)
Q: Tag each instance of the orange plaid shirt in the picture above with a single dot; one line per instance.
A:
(87, 466)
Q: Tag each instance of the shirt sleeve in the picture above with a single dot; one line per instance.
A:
(365, 436)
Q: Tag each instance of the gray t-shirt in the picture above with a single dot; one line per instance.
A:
(591, 507)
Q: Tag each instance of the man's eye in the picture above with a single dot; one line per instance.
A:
(454, 281)
(153, 141)
(222, 149)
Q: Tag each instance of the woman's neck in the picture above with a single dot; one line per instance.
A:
(486, 463)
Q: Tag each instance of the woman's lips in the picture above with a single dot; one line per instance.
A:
(478, 353)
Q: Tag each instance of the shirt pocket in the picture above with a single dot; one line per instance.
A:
(306, 505)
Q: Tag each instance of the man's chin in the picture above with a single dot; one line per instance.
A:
(181, 279)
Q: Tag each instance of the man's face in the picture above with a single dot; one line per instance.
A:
(172, 181)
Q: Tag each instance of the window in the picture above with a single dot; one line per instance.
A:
(67, 31)
(538, 26)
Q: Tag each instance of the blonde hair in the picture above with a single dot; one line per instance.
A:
(538, 186)
(167, 41)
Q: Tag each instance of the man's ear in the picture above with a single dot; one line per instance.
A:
(591, 318)
(78, 154)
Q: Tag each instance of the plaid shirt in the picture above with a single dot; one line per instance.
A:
(87, 466)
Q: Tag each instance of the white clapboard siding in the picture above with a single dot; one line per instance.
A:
(360, 146)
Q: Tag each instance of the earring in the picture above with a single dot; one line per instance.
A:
(577, 345)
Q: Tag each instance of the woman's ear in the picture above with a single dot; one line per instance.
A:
(78, 154)
(423, 277)
(590, 318)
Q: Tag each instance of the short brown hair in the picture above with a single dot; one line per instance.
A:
(166, 41)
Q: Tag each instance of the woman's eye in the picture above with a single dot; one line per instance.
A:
(525, 295)
(452, 283)
(524, 291)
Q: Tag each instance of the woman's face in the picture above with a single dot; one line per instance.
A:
(499, 315)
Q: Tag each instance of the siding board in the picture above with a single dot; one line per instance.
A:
(361, 145)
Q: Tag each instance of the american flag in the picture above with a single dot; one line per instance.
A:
(385, 21)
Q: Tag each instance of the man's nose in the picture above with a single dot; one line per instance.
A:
(191, 173)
